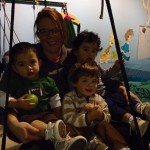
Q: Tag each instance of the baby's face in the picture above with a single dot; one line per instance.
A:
(87, 52)
(27, 65)
(86, 85)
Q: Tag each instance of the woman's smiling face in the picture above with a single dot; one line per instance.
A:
(50, 36)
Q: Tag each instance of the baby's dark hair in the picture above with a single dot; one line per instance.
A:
(19, 48)
(90, 69)
(86, 36)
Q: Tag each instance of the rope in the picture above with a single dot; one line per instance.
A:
(102, 9)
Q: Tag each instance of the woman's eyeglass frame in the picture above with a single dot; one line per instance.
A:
(54, 31)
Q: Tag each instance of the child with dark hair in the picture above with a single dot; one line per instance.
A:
(45, 116)
(51, 34)
(88, 111)
(85, 48)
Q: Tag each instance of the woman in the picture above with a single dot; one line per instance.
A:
(50, 29)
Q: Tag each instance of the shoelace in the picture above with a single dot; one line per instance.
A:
(49, 131)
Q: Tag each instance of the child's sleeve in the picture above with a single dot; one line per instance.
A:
(105, 109)
(71, 114)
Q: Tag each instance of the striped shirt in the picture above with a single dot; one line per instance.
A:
(73, 108)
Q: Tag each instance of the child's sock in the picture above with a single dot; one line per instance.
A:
(130, 119)
(138, 108)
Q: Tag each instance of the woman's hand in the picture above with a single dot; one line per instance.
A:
(117, 63)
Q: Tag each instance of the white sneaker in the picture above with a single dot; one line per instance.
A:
(143, 125)
(75, 143)
(145, 108)
(96, 144)
(56, 131)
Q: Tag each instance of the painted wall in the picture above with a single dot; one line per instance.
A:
(127, 14)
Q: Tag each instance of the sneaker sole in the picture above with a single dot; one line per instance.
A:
(60, 130)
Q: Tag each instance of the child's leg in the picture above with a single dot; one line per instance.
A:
(118, 105)
(57, 133)
(142, 124)
(41, 126)
(53, 131)
(94, 143)
(48, 124)
(110, 136)
(116, 110)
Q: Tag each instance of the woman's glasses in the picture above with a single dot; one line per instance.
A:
(49, 31)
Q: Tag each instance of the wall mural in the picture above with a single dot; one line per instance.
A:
(109, 55)
(147, 7)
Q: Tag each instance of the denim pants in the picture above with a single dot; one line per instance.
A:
(117, 105)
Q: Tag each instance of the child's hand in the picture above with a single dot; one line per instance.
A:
(95, 114)
(117, 63)
(89, 107)
(24, 103)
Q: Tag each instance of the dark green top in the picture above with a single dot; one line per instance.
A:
(44, 88)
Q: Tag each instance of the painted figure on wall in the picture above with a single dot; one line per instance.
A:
(105, 55)
(147, 7)
(125, 48)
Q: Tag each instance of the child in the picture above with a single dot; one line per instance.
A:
(85, 48)
(43, 116)
(88, 111)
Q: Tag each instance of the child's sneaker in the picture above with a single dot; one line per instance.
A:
(143, 125)
(96, 144)
(56, 131)
(145, 109)
(75, 143)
